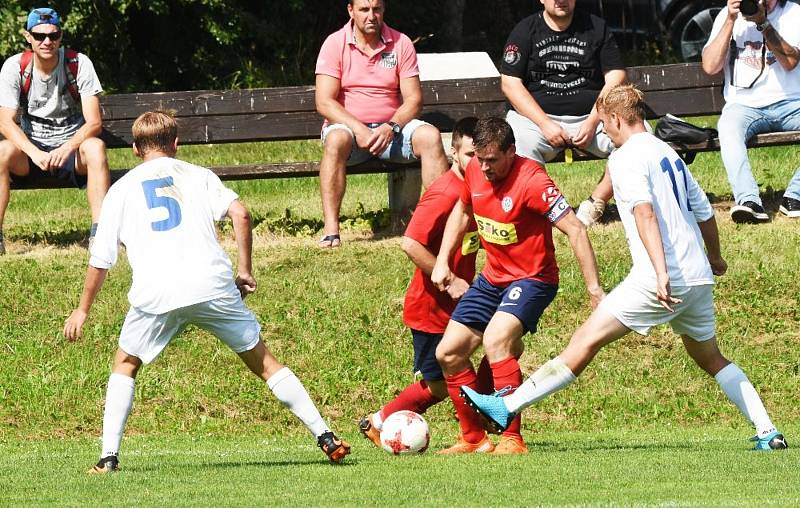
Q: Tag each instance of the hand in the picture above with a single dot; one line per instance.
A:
(42, 159)
(733, 8)
(246, 284)
(664, 292)
(73, 326)
(595, 296)
(457, 288)
(60, 156)
(718, 266)
(555, 134)
(441, 276)
(363, 135)
(382, 135)
(585, 134)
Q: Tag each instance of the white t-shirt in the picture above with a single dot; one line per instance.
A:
(164, 211)
(647, 170)
(53, 115)
(775, 83)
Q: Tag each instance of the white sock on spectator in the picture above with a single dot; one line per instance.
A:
(289, 390)
(550, 378)
(741, 392)
(119, 401)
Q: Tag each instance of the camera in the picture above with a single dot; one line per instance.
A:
(749, 7)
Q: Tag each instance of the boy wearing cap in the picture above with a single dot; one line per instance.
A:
(59, 112)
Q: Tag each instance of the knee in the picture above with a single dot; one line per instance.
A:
(427, 137)
(448, 358)
(93, 151)
(8, 151)
(338, 144)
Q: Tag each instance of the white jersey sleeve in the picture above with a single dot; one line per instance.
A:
(105, 248)
(221, 197)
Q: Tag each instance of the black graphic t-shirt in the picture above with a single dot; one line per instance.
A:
(563, 71)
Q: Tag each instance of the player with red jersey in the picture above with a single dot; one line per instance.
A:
(427, 310)
(515, 205)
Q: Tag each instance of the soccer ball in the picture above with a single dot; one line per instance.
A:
(405, 432)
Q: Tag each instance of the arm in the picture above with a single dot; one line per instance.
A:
(582, 247)
(244, 244)
(710, 233)
(524, 104)
(382, 135)
(425, 261)
(647, 226)
(715, 54)
(588, 128)
(457, 223)
(786, 54)
(325, 96)
(94, 281)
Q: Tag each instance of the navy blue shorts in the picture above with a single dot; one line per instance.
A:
(425, 355)
(526, 299)
(65, 172)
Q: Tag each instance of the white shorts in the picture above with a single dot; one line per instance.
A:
(145, 335)
(639, 309)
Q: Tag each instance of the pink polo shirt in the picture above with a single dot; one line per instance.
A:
(370, 85)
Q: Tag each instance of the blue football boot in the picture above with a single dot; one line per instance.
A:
(772, 441)
(491, 407)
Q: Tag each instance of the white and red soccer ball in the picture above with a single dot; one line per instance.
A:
(405, 432)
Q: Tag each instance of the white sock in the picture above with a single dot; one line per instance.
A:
(119, 401)
(740, 391)
(550, 378)
(377, 420)
(289, 390)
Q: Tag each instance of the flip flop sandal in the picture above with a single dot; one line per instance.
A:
(330, 241)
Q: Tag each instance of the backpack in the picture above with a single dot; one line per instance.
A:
(26, 73)
(675, 130)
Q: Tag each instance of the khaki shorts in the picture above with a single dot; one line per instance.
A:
(639, 309)
(145, 335)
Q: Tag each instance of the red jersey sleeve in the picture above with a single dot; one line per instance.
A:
(544, 197)
(430, 216)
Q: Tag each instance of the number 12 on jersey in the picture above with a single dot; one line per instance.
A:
(680, 167)
(155, 201)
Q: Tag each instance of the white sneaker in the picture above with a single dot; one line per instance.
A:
(590, 211)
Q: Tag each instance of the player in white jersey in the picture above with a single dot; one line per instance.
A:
(164, 212)
(667, 219)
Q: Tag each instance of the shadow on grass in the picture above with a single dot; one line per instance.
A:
(239, 464)
(553, 446)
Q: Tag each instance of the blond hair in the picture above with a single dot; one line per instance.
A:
(626, 101)
(155, 131)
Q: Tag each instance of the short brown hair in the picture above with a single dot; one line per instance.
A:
(463, 127)
(155, 131)
(626, 101)
(493, 131)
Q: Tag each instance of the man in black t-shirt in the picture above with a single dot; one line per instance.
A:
(555, 65)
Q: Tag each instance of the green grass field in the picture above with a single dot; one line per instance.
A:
(643, 426)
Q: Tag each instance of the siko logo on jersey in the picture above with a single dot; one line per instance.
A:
(507, 204)
(496, 232)
(470, 243)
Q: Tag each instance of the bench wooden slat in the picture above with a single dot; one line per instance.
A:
(672, 77)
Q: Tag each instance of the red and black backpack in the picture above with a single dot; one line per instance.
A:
(70, 66)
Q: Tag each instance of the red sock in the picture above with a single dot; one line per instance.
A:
(485, 378)
(471, 427)
(415, 397)
(507, 373)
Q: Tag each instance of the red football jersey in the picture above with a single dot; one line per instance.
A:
(426, 308)
(515, 217)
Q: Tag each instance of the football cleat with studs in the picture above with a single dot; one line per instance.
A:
(108, 464)
(462, 447)
(368, 430)
(334, 448)
(772, 441)
(490, 407)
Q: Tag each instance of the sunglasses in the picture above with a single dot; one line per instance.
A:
(39, 36)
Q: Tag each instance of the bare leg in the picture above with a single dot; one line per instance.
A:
(12, 162)
(427, 144)
(333, 178)
(92, 162)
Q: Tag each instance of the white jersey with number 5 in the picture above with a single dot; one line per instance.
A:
(164, 212)
(647, 170)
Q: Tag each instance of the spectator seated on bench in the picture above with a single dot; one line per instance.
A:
(759, 54)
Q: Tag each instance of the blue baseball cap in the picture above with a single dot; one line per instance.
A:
(42, 16)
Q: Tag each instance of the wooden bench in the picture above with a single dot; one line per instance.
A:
(289, 114)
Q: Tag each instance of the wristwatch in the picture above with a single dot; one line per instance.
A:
(395, 127)
(763, 26)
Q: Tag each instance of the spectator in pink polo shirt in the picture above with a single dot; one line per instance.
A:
(369, 92)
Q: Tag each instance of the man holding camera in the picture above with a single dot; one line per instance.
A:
(757, 43)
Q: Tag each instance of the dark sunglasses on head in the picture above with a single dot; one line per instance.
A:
(39, 36)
